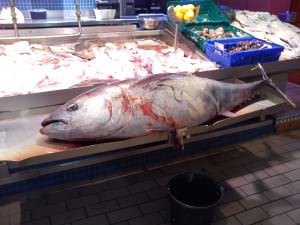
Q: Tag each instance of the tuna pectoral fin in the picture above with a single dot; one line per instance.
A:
(228, 114)
(267, 80)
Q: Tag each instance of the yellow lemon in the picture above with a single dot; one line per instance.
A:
(191, 7)
(177, 8)
(179, 15)
(189, 15)
(184, 8)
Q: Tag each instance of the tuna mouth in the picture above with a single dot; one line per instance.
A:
(47, 122)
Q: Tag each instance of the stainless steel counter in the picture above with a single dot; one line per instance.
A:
(87, 19)
(68, 22)
(23, 116)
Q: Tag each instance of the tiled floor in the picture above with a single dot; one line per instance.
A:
(261, 179)
(293, 91)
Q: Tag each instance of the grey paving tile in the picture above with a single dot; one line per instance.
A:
(11, 208)
(259, 165)
(142, 186)
(256, 176)
(228, 221)
(174, 169)
(236, 182)
(82, 201)
(253, 201)
(293, 165)
(241, 162)
(275, 170)
(43, 221)
(293, 175)
(229, 209)
(163, 180)
(253, 188)
(23, 217)
(279, 140)
(232, 195)
(235, 172)
(295, 215)
(294, 200)
(279, 220)
(92, 189)
(158, 193)
(165, 214)
(60, 196)
(119, 183)
(293, 154)
(33, 203)
(114, 194)
(6, 220)
(124, 214)
(154, 206)
(275, 181)
(150, 219)
(277, 207)
(133, 200)
(277, 193)
(95, 220)
(294, 187)
(252, 216)
(103, 207)
(48, 210)
(222, 157)
(122, 223)
(15, 219)
(290, 146)
(67, 217)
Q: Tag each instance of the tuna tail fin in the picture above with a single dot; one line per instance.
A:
(268, 81)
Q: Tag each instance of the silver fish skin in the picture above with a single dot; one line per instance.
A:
(136, 108)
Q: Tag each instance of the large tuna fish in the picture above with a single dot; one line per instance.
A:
(136, 108)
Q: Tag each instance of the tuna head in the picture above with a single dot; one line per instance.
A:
(81, 118)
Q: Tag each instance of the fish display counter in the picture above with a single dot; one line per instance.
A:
(44, 72)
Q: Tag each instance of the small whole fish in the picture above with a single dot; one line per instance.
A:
(135, 108)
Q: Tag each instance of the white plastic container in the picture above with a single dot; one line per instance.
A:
(105, 14)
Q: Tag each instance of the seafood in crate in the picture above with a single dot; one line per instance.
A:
(213, 33)
(268, 27)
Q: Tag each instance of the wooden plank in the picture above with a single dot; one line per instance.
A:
(91, 150)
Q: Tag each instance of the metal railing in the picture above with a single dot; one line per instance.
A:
(16, 31)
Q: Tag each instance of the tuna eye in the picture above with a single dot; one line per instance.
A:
(72, 107)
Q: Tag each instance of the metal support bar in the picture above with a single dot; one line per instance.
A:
(13, 17)
(78, 16)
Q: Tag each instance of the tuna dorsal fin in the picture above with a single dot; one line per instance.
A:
(158, 78)
(268, 81)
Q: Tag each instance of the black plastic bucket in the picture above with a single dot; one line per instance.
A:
(193, 199)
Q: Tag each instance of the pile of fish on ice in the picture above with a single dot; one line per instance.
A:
(268, 27)
(31, 68)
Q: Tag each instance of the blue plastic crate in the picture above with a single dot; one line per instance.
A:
(248, 57)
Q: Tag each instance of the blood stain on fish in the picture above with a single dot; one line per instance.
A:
(127, 102)
(109, 107)
(147, 109)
